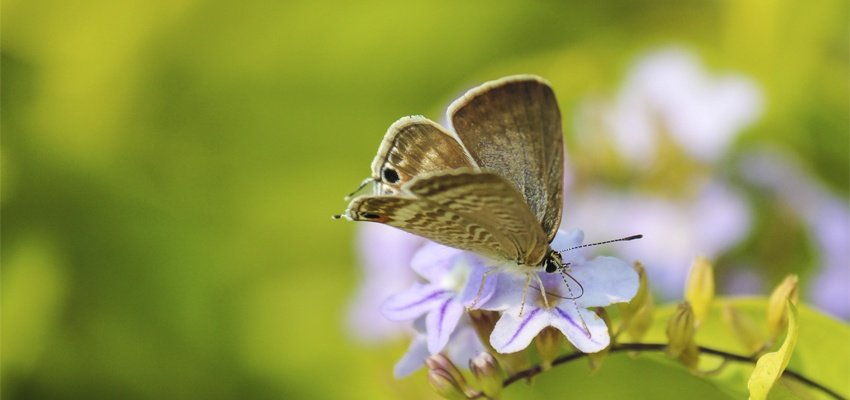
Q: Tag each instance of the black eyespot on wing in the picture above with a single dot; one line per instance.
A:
(368, 215)
(390, 175)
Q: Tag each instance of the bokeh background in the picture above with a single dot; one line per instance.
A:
(169, 169)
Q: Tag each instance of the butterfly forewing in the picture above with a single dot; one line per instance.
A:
(467, 209)
(512, 127)
(415, 146)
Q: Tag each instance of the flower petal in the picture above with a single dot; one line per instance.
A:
(513, 333)
(567, 239)
(464, 345)
(474, 292)
(433, 260)
(605, 280)
(566, 319)
(414, 359)
(441, 322)
(413, 302)
(507, 292)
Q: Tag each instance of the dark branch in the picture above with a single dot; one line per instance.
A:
(621, 347)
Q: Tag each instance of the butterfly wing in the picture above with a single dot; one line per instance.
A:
(466, 209)
(512, 126)
(415, 146)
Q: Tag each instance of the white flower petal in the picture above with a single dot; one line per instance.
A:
(413, 302)
(414, 359)
(474, 292)
(605, 280)
(567, 239)
(433, 260)
(513, 333)
(464, 345)
(507, 293)
(440, 323)
(566, 320)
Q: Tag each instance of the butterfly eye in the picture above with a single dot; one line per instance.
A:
(390, 175)
(370, 215)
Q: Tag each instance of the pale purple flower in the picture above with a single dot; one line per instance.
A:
(825, 216)
(385, 254)
(669, 92)
(605, 280)
(453, 278)
(711, 221)
(463, 345)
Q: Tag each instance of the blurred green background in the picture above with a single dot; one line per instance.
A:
(169, 168)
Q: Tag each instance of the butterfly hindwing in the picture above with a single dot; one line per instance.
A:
(415, 146)
(467, 209)
(512, 127)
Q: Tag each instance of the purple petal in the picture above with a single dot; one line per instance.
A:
(605, 280)
(441, 322)
(474, 292)
(513, 333)
(567, 239)
(464, 345)
(566, 319)
(413, 359)
(413, 302)
(507, 292)
(433, 260)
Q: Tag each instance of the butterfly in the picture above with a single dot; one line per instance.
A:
(493, 186)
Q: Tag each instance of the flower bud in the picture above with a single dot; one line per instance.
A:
(743, 327)
(699, 289)
(548, 343)
(680, 332)
(445, 385)
(777, 314)
(489, 374)
(637, 313)
(440, 362)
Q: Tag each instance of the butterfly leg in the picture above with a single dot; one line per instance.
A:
(542, 290)
(481, 287)
(524, 293)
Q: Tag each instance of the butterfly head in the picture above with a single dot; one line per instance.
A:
(553, 262)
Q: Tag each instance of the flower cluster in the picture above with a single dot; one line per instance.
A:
(454, 281)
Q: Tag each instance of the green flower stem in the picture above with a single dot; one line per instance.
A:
(621, 347)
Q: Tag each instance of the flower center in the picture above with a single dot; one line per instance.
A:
(455, 280)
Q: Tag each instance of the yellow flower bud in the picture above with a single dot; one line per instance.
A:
(777, 314)
(489, 374)
(637, 313)
(680, 332)
(548, 343)
(699, 290)
(441, 363)
(444, 385)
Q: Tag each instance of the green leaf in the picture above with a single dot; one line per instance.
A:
(770, 366)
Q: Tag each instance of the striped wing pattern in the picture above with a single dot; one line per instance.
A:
(512, 126)
(467, 209)
(414, 146)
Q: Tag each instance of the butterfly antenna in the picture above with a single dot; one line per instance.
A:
(362, 185)
(625, 239)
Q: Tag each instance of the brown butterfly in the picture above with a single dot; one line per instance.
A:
(495, 188)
